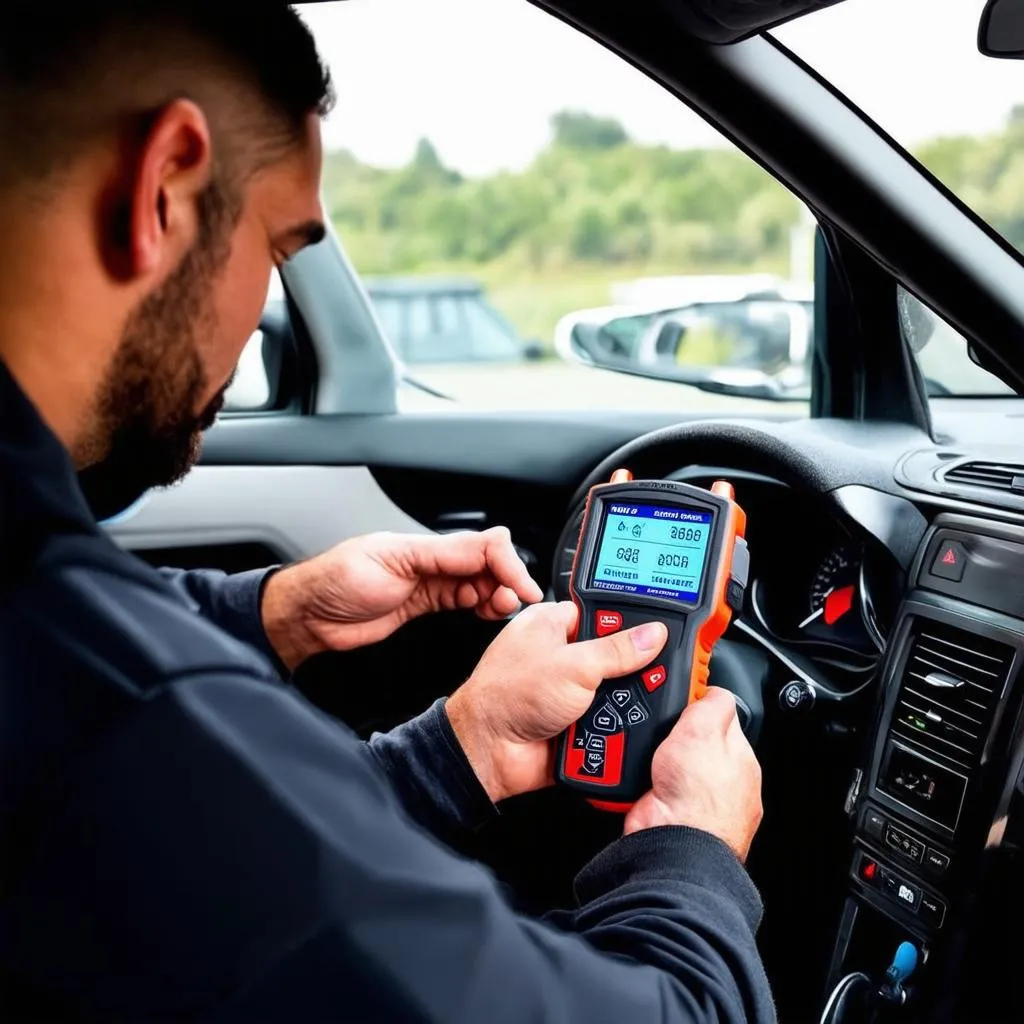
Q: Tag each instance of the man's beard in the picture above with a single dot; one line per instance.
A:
(146, 420)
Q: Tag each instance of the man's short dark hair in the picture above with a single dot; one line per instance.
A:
(51, 58)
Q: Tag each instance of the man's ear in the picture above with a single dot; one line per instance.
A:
(158, 217)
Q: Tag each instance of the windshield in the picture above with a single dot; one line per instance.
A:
(607, 244)
(914, 68)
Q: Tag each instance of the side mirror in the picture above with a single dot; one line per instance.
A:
(768, 339)
(670, 336)
(1001, 30)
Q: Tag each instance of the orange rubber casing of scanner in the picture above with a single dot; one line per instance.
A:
(683, 666)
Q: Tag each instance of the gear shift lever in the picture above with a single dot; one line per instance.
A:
(856, 998)
(902, 967)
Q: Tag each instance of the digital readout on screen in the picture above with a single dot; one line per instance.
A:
(655, 550)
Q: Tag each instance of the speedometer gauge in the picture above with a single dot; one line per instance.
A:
(834, 601)
(834, 585)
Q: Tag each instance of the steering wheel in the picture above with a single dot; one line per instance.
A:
(749, 447)
(741, 668)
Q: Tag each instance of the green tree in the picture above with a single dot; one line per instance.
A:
(427, 168)
(591, 237)
(593, 196)
(576, 129)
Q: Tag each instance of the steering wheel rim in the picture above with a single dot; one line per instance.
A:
(748, 447)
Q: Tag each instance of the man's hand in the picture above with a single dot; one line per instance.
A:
(705, 775)
(363, 589)
(531, 684)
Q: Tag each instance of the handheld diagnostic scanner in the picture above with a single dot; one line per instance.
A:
(649, 550)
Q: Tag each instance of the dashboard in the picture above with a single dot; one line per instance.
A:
(894, 598)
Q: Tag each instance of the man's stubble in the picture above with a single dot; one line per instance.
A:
(146, 421)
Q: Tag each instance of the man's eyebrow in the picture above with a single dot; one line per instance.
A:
(298, 237)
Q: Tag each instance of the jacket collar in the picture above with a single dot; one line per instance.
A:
(39, 491)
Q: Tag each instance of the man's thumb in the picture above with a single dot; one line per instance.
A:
(625, 652)
(649, 638)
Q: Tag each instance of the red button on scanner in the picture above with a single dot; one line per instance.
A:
(654, 677)
(868, 870)
(607, 622)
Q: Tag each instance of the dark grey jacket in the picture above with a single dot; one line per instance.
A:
(185, 838)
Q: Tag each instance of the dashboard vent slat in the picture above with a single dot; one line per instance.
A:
(996, 476)
(951, 684)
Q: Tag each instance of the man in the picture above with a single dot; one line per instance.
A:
(184, 837)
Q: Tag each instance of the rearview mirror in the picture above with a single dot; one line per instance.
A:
(1001, 30)
(763, 343)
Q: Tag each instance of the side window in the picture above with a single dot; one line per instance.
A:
(550, 229)
(389, 311)
(942, 354)
(253, 387)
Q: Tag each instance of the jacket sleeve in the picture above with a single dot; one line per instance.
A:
(422, 758)
(230, 601)
(431, 775)
(230, 854)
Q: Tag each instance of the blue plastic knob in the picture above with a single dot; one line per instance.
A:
(903, 963)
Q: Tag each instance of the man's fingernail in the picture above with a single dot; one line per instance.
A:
(649, 637)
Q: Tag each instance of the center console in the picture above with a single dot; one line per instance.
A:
(933, 798)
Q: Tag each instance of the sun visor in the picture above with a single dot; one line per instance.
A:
(727, 21)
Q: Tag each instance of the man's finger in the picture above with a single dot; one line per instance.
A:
(486, 586)
(559, 616)
(608, 657)
(508, 567)
(488, 614)
(493, 601)
(715, 711)
(504, 601)
(499, 605)
(467, 553)
(463, 553)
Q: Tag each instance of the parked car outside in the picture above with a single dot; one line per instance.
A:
(445, 320)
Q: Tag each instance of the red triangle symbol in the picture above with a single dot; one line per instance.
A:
(949, 558)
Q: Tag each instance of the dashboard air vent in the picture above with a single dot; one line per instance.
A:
(950, 688)
(995, 476)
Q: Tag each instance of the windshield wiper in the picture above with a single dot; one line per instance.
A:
(425, 388)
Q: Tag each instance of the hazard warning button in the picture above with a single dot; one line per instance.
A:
(950, 561)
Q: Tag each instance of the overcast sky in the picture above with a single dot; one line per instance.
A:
(481, 78)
